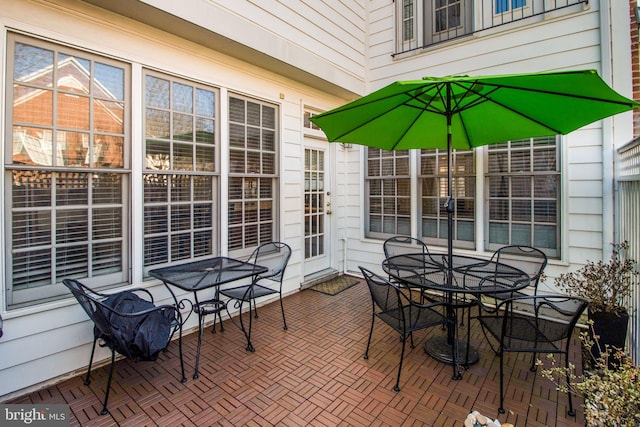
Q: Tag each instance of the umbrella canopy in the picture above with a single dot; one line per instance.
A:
(461, 112)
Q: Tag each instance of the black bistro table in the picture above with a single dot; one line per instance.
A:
(205, 274)
(470, 276)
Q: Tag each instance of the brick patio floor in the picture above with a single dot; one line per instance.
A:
(313, 375)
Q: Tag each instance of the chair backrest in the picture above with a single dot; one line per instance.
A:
(555, 315)
(400, 245)
(526, 258)
(384, 294)
(90, 303)
(275, 256)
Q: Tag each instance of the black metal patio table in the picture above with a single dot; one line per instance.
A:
(205, 274)
(470, 276)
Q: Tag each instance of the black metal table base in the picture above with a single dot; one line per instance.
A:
(440, 349)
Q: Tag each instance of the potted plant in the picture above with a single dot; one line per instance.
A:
(611, 393)
(606, 285)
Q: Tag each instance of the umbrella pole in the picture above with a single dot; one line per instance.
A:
(450, 206)
(452, 338)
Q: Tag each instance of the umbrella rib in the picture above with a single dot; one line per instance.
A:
(351, 107)
(395, 144)
(565, 95)
(485, 98)
(371, 119)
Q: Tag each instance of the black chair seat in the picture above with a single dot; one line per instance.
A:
(248, 292)
(413, 319)
(523, 334)
(533, 324)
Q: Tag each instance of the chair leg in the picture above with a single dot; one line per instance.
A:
(501, 408)
(255, 308)
(396, 388)
(571, 412)
(366, 352)
(106, 395)
(183, 379)
(533, 363)
(87, 380)
(466, 363)
(213, 325)
(247, 334)
(284, 321)
(455, 350)
(200, 330)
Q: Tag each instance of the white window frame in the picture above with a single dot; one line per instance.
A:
(204, 165)
(69, 174)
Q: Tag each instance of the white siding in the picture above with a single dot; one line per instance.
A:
(324, 38)
(567, 41)
(52, 340)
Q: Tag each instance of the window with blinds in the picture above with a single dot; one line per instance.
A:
(67, 120)
(388, 187)
(433, 181)
(253, 173)
(180, 180)
(524, 190)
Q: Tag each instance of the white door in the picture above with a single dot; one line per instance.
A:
(317, 207)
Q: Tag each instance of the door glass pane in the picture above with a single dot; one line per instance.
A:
(314, 176)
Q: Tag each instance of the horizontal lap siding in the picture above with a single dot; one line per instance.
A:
(54, 339)
(326, 38)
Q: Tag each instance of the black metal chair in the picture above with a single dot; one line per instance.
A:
(275, 256)
(129, 325)
(526, 258)
(400, 245)
(533, 324)
(403, 245)
(398, 310)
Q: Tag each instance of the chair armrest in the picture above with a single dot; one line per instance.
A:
(163, 307)
(106, 295)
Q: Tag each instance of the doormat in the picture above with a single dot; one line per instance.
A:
(335, 285)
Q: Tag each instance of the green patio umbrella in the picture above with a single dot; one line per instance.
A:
(461, 112)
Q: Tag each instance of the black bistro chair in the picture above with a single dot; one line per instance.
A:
(275, 256)
(403, 314)
(400, 245)
(530, 260)
(129, 325)
(526, 258)
(533, 324)
(404, 245)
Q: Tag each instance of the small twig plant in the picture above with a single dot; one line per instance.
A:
(611, 393)
(605, 285)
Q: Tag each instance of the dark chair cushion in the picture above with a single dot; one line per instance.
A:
(137, 336)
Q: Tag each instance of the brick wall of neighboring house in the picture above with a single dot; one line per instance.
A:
(635, 64)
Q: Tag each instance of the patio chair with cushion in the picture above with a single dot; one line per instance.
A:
(533, 324)
(275, 256)
(129, 325)
(398, 310)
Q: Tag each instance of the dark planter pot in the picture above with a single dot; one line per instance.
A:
(611, 328)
